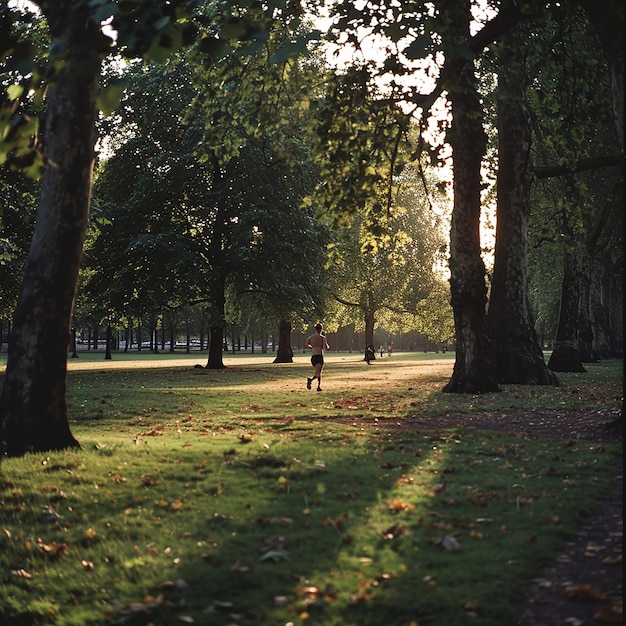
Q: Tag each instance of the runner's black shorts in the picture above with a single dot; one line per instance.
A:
(317, 358)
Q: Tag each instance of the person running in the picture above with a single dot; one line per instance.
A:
(317, 342)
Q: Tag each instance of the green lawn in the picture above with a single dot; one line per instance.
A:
(234, 497)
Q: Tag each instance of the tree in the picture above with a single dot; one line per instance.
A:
(17, 216)
(34, 415)
(143, 259)
(202, 230)
(256, 123)
(408, 35)
(33, 404)
(446, 33)
(519, 356)
(474, 367)
(389, 275)
(578, 179)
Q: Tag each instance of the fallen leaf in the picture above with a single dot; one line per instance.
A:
(48, 514)
(274, 543)
(337, 523)
(241, 569)
(613, 560)
(608, 615)
(54, 549)
(166, 584)
(584, 592)
(394, 531)
(398, 505)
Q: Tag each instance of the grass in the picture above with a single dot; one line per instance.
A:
(233, 497)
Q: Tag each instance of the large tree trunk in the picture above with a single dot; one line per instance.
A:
(566, 353)
(474, 370)
(586, 339)
(284, 353)
(519, 357)
(33, 407)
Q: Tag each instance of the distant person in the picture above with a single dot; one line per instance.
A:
(389, 350)
(317, 342)
(382, 349)
(369, 354)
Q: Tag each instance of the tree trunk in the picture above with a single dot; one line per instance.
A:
(474, 370)
(172, 332)
(370, 322)
(285, 353)
(519, 358)
(216, 338)
(33, 408)
(586, 339)
(109, 341)
(217, 324)
(566, 354)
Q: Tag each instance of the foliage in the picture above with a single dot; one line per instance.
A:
(17, 214)
(142, 258)
(183, 485)
(434, 315)
(189, 222)
(361, 145)
(383, 279)
(259, 90)
(577, 197)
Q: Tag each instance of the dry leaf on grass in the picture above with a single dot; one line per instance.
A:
(584, 592)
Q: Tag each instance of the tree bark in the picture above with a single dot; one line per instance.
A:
(217, 324)
(216, 343)
(566, 353)
(474, 370)
(518, 355)
(33, 407)
(284, 353)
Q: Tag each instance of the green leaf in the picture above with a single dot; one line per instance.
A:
(15, 91)
(214, 48)
(109, 98)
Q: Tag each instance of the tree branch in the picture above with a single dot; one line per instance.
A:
(580, 166)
